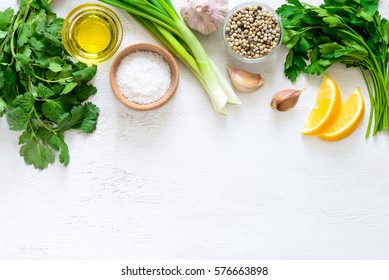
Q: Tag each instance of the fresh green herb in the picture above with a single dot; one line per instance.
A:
(351, 32)
(161, 19)
(42, 91)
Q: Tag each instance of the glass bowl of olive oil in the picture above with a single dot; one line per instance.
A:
(92, 33)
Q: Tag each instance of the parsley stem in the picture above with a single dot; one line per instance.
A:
(15, 28)
(30, 88)
(49, 128)
(372, 101)
(32, 130)
(51, 81)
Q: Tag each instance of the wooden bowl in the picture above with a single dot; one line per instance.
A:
(144, 47)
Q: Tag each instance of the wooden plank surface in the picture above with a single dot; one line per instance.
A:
(183, 182)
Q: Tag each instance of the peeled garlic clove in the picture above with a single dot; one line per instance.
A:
(204, 16)
(245, 81)
(285, 99)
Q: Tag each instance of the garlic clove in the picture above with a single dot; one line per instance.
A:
(285, 99)
(244, 81)
(204, 16)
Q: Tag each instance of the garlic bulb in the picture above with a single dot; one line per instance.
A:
(204, 16)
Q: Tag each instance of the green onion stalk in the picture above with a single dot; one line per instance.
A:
(161, 19)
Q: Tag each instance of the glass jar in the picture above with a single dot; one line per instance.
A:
(241, 29)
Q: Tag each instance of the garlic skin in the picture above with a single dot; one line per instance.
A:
(204, 16)
(244, 81)
(285, 100)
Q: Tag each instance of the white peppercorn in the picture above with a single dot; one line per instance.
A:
(258, 31)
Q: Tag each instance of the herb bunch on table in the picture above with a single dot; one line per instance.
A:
(42, 91)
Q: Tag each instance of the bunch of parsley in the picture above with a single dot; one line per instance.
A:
(42, 90)
(351, 32)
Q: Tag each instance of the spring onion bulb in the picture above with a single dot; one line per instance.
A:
(161, 19)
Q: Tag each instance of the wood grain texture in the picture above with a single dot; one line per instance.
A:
(183, 182)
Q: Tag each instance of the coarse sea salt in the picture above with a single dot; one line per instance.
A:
(143, 77)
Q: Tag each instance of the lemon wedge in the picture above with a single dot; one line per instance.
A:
(327, 108)
(349, 118)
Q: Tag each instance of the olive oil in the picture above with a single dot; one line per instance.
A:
(93, 34)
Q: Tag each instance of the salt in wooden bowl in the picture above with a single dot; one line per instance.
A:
(151, 48)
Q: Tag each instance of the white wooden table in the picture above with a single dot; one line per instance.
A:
(183, 182)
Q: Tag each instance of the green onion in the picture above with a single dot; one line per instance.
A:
(161, 19)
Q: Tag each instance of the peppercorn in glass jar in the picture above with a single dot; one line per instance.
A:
(252, 32)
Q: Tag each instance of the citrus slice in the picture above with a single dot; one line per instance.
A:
(327, 107)
(348, 119)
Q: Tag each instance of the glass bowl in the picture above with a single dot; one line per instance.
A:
(92, 33)
(240, 28)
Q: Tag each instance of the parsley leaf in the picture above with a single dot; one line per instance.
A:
(17, 119)
(3, 106)
(71, 119)
(85, 74)
(52, 110)
(24, 33)
(91, 113)
(44, 92)
(6, 18)
(55, 64)
(36, 154)
(59, 144)
(25, 101)
(2, 79)
(82, 117)
(68, 88)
